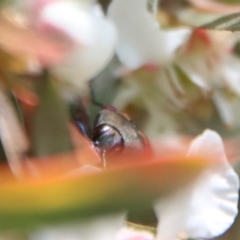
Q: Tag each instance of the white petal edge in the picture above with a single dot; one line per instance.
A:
(140, 39)
(101, 228)
(208, 206)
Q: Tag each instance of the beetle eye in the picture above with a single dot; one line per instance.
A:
(107, 139)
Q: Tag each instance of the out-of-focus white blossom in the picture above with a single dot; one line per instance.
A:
(141, 41)
(206, 207)
(93, 35)
(206, 59)
(209, 62)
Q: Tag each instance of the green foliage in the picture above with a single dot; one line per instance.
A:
(133, 187)
(50, 133)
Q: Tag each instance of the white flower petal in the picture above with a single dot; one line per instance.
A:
(140, 39)
(208, 206)
(102, 228)
(230, 74)
(209, 143)
(84, 63)
(224, 108)
(94, 35)
(70, 18)
(194, 75)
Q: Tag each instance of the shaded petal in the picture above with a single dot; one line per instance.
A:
(194, 74)
(102, 228)
(140, 39)
(230, 74)
(224, 108)
(175, 79)
(165, 85)
(208, 206)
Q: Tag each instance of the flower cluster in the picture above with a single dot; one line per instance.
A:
(190, 69)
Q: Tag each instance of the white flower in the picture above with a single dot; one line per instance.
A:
(141, 41)
(209, 62)
(208, 206)
(93, 36)
(205, 57)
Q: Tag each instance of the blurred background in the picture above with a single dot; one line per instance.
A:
(195, 87)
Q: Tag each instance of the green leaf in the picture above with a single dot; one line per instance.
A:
(6, 2)
(132, 186)
(230, 22)
(50, 133)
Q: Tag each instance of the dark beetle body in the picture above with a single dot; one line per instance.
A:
(113, 133)
(131, 137)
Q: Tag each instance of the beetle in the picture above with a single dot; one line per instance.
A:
(113, 132)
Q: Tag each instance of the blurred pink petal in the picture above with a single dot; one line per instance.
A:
(86, 25)
(30, 45)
